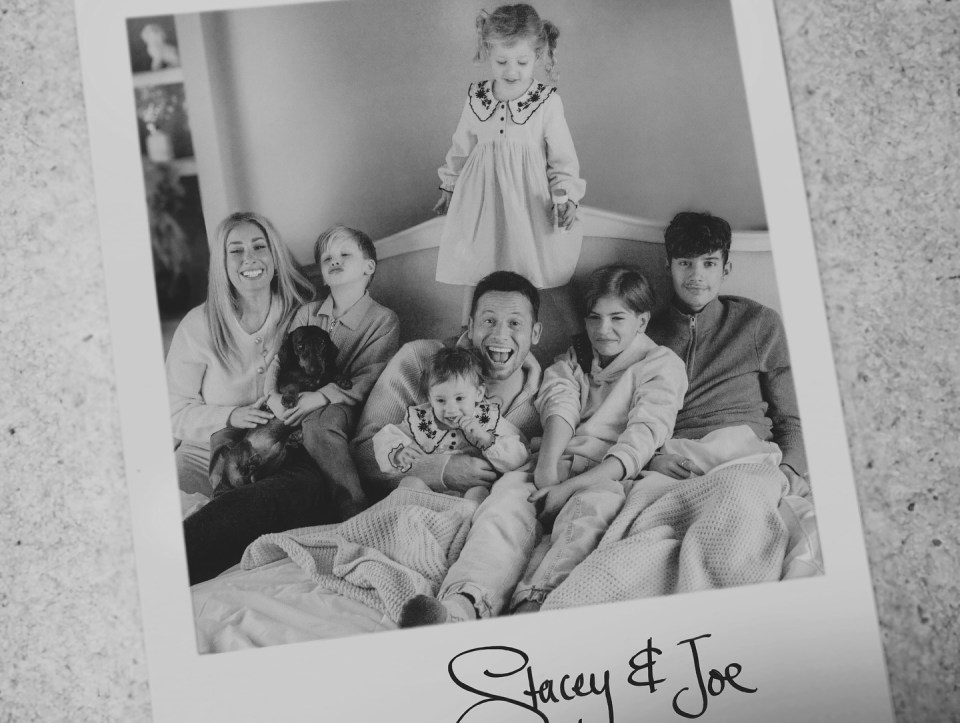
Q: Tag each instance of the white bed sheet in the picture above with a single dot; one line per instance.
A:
(273, 605)
(278, 603)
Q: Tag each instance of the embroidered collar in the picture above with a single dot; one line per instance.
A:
(483, 103)
(428, 434)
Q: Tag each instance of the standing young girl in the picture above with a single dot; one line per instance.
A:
(510, 184)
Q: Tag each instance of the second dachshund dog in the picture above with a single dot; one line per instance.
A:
(307, 361)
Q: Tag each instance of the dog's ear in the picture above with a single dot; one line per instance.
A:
(286, 351)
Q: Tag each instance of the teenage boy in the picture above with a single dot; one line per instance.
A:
(366, 334)
(735, 350)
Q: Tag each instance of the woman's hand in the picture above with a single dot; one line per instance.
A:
(673, 465)
(566, 214)
(307, 402)
(444, 203)
(250, 416)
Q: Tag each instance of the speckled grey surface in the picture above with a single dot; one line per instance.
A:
(876, 95)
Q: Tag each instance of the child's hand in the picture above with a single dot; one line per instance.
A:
(546, 475)
(275, 404)
(474, 432)
(550, 500)
(673, 465)
(443, 204)
(566, 214)
(306, 403)
(404, 457)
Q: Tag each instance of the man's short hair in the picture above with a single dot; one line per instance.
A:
(693, 234)
(507, 281)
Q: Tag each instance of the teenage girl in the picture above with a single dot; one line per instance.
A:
(512, 155)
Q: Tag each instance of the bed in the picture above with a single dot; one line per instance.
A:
(286, 600)
(292, 587)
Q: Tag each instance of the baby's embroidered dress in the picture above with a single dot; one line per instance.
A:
(506, 159)
(508, 451)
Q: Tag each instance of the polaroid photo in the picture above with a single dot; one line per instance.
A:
(316, 532)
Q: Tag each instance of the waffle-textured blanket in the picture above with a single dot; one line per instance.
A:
(718, 530)
(400, 547)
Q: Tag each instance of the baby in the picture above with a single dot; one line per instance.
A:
(456, 420)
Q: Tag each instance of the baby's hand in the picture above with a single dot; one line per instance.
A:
(404, 457)
(474, 432)
(443, 204)
(566, 214)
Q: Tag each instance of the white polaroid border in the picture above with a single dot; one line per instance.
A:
(808, 649)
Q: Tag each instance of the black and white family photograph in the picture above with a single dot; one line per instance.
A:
(459, 348)
(493, 329)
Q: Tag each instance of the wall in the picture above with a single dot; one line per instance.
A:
(341, 112)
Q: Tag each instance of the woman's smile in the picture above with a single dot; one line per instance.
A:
(249, 259)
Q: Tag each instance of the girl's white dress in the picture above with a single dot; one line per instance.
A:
(506, 159)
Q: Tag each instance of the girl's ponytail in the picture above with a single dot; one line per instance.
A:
(550, 34)
(482, 18)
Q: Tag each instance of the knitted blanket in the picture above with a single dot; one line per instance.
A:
(718, 530)
(400, 547)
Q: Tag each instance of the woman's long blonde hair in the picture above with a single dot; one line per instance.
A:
(289, 287)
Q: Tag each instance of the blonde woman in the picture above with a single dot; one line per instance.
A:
(216, 369)
(220, 351)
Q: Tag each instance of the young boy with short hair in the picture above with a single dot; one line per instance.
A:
(366, 334)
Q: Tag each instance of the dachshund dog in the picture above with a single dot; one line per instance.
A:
(307, 361)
